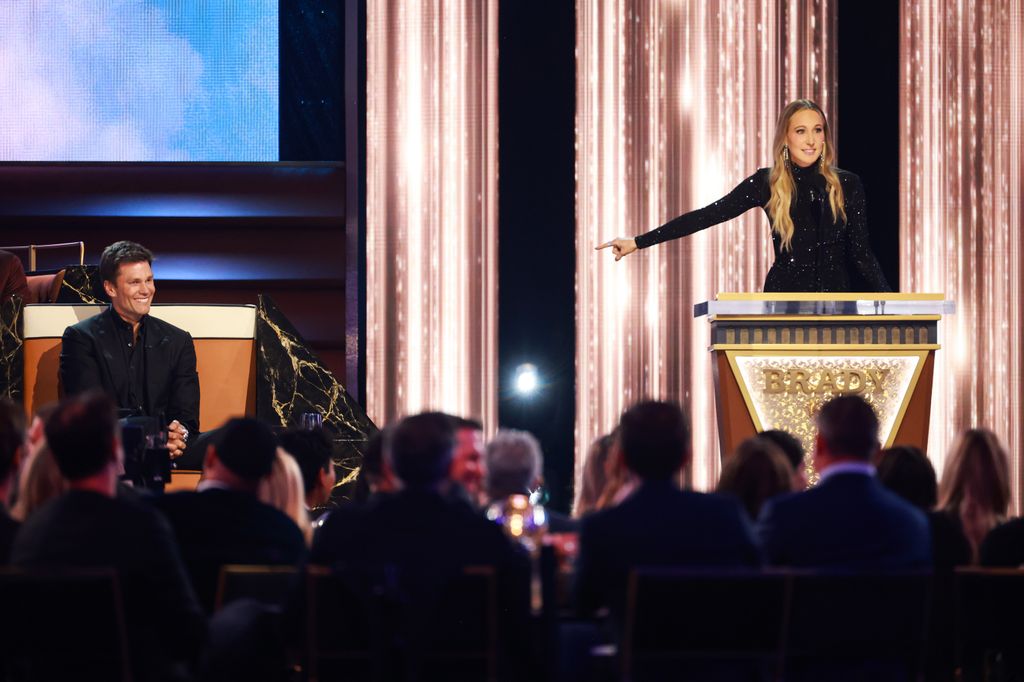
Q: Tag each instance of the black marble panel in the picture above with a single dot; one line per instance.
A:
(81, 285)
(291, 380)
(12, 363)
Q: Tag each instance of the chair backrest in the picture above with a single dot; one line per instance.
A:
(373, 622)
(680, 617)
(62, 625)
(45, 256)
(856, 618)
(268, 585)
(988, 604)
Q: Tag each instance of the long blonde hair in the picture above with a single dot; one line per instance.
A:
(781, 182)
(976, 484)
(283, 490)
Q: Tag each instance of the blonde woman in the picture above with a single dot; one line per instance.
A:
(975, 487)
(283, 490)
(817, 212)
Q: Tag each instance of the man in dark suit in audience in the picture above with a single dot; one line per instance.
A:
(659, 524)
(422, 532)
(224, 522)
(12, 449)
(147, 365)
(312, 451)
(849, 521)
(89, 526)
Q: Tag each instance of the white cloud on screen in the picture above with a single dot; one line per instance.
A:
(125, 80)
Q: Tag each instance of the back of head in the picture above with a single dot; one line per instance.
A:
(514, 462)
(655, 439)
(82, 434)
(906, 471)
(977, 471)
(247, 448)
(788, 444)
(12, 437)
(756, 472)
(311, 450)
(420, 448)
(849, 427)
(282, 489)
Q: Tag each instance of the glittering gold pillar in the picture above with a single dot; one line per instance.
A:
(431, 195)
(961, 229)
(676, 104)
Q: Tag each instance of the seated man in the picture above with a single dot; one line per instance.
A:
(312, 451)
(659, 524)
(514, 467)
(146, 365)
(848, 521)
(224, 522)
(89, 526)
(12, 451)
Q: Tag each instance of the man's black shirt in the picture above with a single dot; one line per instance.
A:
(133, 347)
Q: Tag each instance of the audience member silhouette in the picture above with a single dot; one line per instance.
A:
(975, 485)
(12, 449)
(312, 450)
(755, 473)
(849, 520)
(906, 471)
(515, 465)
(12, 278)
(594, 477)
(468, 467)
(659, 524)
(794, 452)
(223, 521)
(88, 526)
(283, 490)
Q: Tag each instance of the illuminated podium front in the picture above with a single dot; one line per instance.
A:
(778, 357)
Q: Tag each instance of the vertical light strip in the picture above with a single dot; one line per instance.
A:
(676, 104)
(961, 227)
(432, 137)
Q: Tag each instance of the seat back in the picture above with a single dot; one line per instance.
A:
(48, 256)
(678, 619)
(988, 603)
(268, 585)
(62, 625)
(859, 619)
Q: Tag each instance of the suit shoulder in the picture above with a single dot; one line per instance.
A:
(167, 328)
(86, 327)
(848, 178)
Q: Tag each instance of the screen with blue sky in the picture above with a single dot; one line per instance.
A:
(139, 80)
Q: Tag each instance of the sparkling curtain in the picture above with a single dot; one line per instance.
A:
(431, 136)
(676, 104)
(961, 228)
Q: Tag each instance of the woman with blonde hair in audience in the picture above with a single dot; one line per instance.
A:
(975, 486)
(756, 472)
(40, 481)
(595, 478)
(283, 489)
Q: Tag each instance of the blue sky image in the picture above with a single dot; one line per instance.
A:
(139, 80)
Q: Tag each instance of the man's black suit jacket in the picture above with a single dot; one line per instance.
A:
(85, 529)
(218, 526)
(658, 525)
(848, 522)
(91, 357)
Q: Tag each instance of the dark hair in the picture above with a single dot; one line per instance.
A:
(421, 448)
(464, 423)
(312, 451)
(906, 471)
(247, 448)
(81, 433)
(849, 427)
(756, 472)
(121, 252)
(788, 444)
(655, 439)
(12, 436)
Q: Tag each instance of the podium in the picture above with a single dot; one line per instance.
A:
(777, 358)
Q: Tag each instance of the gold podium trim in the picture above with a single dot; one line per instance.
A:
(770, 350)
(813, 296)
(807, 347)
(831, 318)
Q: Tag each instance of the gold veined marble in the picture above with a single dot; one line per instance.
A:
(785, 390)
(291, 380)
(12, 368)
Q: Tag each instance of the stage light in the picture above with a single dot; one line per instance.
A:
(527, 380)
